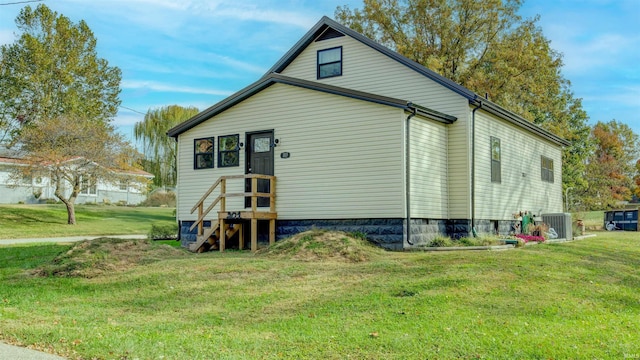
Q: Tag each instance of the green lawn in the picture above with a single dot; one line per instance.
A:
(577, 300)
(35, 221)
(592, 219)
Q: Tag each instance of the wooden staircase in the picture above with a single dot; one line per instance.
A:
(211, 237)
(209, 240)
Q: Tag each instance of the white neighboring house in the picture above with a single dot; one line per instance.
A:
(131, 189)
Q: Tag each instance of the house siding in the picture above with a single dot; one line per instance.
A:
(521, 188)
(366, 69)
(346, 155)
(429, 170)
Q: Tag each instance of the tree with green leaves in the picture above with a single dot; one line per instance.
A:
(159, 149)
(53, 70)
(58, 98)
(488, 48)
(636, 180)
(612, 166)
(76, 154)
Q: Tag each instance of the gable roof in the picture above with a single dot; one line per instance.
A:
(274, 78)
(327, 24)
(329, 27)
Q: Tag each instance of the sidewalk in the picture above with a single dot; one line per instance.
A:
(20, 353)
(66, 239)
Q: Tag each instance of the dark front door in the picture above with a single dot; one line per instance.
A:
(259, 161)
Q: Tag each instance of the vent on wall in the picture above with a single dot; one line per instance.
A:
(329, 33)
(561, 223)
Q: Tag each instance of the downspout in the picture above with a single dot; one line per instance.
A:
(473, 168)
(407, 194)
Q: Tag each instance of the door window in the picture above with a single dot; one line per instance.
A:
(261, 144)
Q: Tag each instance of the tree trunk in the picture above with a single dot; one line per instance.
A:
(71, 213)
(69, 203)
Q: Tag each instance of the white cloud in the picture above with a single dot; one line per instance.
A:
(621, 96)
(160, 87)
(582, 56)
(252, 12)
(127, 117)
(229, 61)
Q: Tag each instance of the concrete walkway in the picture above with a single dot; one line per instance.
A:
(66, 239)
(19, 353)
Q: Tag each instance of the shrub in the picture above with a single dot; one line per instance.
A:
(440, 241)
(160, 198)
(163, 232)
(465, 241)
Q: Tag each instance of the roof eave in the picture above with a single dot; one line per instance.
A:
(219, 107)
(274, 78)
(519, 121)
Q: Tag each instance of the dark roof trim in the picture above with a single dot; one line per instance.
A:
(271, 79)
(432, 114)
(221, 106)
(517, 120)
(336, 90)
(325, 22)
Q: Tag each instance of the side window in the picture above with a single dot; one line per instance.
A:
(88, 186)
(329, 62)
(546, 169)
(228, 151)
(496, 173)
(203, 153)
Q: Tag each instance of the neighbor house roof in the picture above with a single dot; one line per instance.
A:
(274, 78)
(19, 161)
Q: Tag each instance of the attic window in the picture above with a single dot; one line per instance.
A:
(203, 153)
(330, 62)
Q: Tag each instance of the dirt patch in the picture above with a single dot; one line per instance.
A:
(92, 258)
(321, 245)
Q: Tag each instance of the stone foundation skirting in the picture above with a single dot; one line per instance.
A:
(386, 233)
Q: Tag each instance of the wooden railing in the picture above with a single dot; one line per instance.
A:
(223, 195)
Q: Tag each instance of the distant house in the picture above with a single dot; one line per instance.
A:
(129, 189)
(360, 138)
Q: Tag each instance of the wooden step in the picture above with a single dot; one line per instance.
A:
(201, 239)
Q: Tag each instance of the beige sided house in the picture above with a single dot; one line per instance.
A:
(343, 133)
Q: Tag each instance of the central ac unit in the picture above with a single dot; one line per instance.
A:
(561, 223)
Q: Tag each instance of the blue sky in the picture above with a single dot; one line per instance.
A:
(197, 52)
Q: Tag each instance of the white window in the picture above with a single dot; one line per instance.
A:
(88, 186)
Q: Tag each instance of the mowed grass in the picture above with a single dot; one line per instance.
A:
(556, 301)
(36, 221)
(592, 219)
